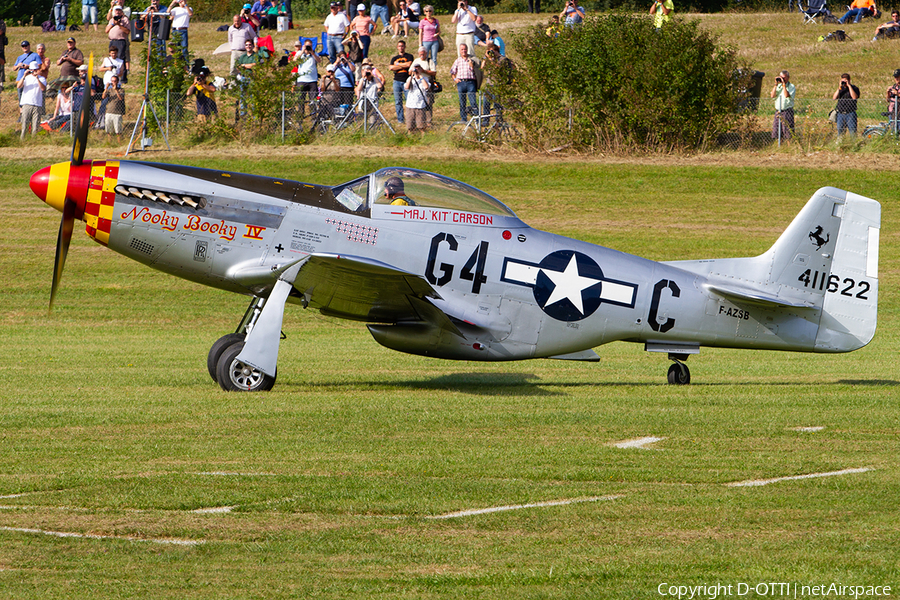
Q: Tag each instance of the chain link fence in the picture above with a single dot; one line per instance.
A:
(324, 114)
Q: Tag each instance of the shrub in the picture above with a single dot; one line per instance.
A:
(616, 81)
(257, 97)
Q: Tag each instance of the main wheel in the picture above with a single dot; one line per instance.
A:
(235, 376)
(212, 361)
(679, 374)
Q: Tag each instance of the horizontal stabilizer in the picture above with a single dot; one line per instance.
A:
(754, 296)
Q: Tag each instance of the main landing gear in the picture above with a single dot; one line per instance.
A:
(679, 374)
(231, 374)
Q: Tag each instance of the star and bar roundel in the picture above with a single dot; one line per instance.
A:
(568, 285)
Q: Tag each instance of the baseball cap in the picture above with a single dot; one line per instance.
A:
(82, 68)
(360, 7)
(329, 68)
(71, 39)
(25, 43)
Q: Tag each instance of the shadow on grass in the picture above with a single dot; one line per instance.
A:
(529, 384)
(885, 382)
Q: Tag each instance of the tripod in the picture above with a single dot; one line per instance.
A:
(368, 108)
(147, 103)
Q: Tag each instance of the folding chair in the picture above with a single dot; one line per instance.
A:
(312, 40)
(814, 10)
(324, 51)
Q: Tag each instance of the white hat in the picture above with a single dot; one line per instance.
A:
(360, 7)
(118, 8)
(82, 68)
(330, 67)
(34, 65)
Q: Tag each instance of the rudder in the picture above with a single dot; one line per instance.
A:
(850, 311)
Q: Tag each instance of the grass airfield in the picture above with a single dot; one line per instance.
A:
(347, 479)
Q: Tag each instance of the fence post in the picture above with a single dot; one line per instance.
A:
(168, 107)
(282, 116)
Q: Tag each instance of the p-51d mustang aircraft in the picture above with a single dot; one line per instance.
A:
(438, 268)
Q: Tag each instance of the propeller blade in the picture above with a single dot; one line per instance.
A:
(66, 226)
(84, 117)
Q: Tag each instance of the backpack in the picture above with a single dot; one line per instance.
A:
(835, 36)
(48, 26)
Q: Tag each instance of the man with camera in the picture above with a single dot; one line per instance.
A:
(845, 111)
(464, 19)
(783, 92)
(369, 87)
(119, 37)
(572, 14)
(22, 62)
(153, 17)
(114, 98)
(207, 109)
(307, 73)
(32, 87)
(181, 19)
(69, 62)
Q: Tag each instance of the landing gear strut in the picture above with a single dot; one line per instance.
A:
(679, 374)
(224, 368)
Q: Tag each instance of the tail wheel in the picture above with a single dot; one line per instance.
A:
(212, 361)
(236, 376)
(679, 374)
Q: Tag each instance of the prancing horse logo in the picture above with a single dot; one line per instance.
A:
(816, 237)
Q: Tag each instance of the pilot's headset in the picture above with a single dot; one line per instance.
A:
(394, 186)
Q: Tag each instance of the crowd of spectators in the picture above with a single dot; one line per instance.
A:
(341, 77)
(71, 88)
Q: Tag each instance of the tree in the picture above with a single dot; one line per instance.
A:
(616, 80)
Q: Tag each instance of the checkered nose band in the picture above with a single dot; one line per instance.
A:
(90, 185)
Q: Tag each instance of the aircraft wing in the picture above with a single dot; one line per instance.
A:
(354, 287)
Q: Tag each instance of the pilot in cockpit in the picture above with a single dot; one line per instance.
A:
(393, 191)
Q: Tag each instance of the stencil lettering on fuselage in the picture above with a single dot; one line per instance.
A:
(569, 285)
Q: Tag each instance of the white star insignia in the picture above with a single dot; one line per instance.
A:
(569, 284)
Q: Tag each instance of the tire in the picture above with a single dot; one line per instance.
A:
(212, 361)
(235, 376)
(873, 131)
(679, 374)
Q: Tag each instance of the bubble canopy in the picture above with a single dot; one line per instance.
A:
(425, 189)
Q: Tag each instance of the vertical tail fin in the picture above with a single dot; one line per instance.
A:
(828, 256)
(826, 261)
(850, 311)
